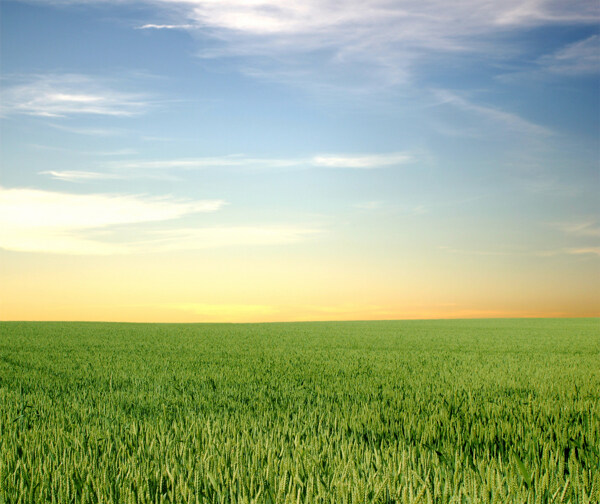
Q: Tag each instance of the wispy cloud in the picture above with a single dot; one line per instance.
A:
(563, 251)
(381, 41)
(338, 161)
(507, 119)
(45, 221)
(70, 94)
(34, 220)
(582, 57)
(96, 132)
(584, 251)
(130, 169)
(430, 23)
(370, 205)
(384, 38)
(234, 160)
(365, 162)
(589, 228)
(165, 27)
(573, 251)
(100, 153)
(91, 176)
(81, 176)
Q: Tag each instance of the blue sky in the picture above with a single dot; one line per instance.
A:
(370, 137)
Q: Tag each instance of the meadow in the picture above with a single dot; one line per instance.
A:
(471, 411)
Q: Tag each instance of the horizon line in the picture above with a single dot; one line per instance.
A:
(433, 319)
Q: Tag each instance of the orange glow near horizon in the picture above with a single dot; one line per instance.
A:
(221, 289)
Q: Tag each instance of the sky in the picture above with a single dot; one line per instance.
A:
(258, 160)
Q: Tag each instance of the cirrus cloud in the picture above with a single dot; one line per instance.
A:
(56, 95)
(579, 58)
(33, 220)
(385, 38)
(349, 161)
(45, 221)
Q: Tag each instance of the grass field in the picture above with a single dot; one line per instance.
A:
(490, 411)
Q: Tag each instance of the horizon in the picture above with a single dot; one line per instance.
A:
(134, 322)
(230, 162)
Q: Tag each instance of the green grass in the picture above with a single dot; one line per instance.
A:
(489, 411)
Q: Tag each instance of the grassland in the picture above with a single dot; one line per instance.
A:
(489, 411)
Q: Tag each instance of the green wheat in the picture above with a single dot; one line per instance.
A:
(488, 411)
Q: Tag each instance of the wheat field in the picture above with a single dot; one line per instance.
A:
(479, 411)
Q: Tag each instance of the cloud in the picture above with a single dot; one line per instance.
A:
(351, 44)
(81, 176)
(165, 27)
(44, 221)
(593, 251)
(120, 170)
(584, 251)
(525, 253)
(382, 38)
(365, 162)
(89, 131)
(34, 220)
(359, 45)
(234, 160)
(582, 57)
(240, 161)
(370, 205)
(426, 23)
(509, 120)
(70, 94)
(581, 228)
(90, 176)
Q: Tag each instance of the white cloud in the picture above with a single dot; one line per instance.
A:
(429, 23)
(44, 221)
(369, 161)
(582, 57)
(354, 44)
(385, 37)
(33, 208)
(380, 41)
(208, 162)
(69, 94)
(81, 176)
(165, 27)
(89, 176)
(365, 162)
(120, 170)
(34, 220)
(507, 119)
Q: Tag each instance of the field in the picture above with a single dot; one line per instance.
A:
(490, 411)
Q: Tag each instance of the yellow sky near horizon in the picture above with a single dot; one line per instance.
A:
(283, 285)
